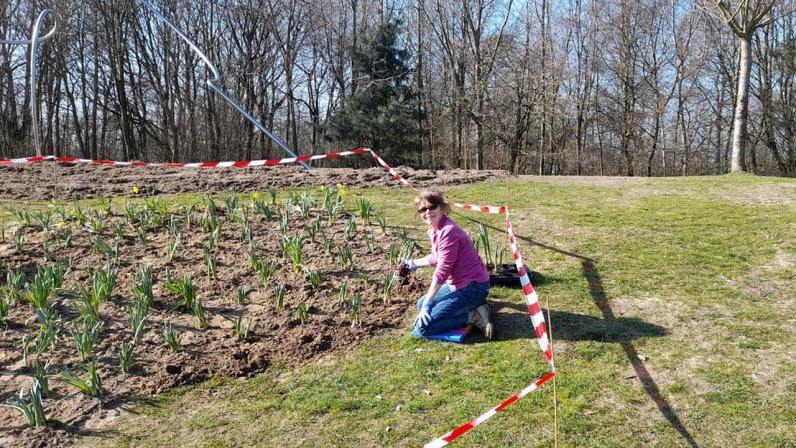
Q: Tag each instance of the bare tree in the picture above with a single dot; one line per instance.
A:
(288, 21)
(744, 18)
(477, 15)
(115, 20)
(623, 63)
(776, 85)
(583, 78)
(448, 26)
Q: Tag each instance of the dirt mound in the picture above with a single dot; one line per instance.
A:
(139, 236)
(50, 180)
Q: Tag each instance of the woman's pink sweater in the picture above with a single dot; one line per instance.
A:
(454, 256)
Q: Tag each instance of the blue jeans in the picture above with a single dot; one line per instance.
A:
(449, 309)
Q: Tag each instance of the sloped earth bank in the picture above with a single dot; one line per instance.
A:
(276, 334)
(50, 180)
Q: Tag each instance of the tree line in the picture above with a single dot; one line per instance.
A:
(574, 87)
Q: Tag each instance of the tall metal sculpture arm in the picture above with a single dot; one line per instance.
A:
(34, 42)
(47, 36)
(216, 79)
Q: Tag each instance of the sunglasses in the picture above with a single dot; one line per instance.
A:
(426, 209)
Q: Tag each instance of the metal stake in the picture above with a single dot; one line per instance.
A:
(215, 80)
(34, 42)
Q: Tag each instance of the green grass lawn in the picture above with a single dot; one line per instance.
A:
(673, 305)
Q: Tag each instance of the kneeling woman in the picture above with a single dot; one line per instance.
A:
(458, 290)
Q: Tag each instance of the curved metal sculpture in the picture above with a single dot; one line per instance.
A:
(34, 42)
(216, 78)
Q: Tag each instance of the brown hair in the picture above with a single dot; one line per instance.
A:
(427, 197)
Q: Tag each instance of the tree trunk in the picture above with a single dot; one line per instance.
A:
(719, 127)
(655, 135)
(739, 131)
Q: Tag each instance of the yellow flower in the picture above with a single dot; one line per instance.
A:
(256, 196)
(61, 224)
(342, 190)
(135, 190)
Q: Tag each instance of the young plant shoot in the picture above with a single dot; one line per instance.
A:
(314, 278)
(139, 314)
(171, 337)
(210, 263)
(41, 373)
(350, 228)
(356, 310)
(389, 283)
(87, 306)
(14, 285)
(103, 281)
(266, 270)
(199, 312)
(171, 248)
(5, 306)
(126, 356)
(328, 245)
(242, 331)
(346, 258)
(85, 337)
(186, 289)
(365, 209)
(19, 241)
(279, 296)
(33, 409)
(242, 294)
(301, 312)
(92, 386)
(295, 246)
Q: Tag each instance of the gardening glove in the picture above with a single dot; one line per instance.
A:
(409, 264)
(424, 316)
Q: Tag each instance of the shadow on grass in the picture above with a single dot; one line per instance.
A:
(570, 326)
(598, 295)
(510, 280)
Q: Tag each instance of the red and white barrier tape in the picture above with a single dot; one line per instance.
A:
(461, 430)
(483, 208)
(531, 298)
(229, 164)
(394, 173)
(25, 160)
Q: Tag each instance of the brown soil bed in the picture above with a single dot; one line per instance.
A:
(277, 335)
(50, 180)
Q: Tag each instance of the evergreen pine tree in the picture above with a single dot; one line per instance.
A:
(383, 112)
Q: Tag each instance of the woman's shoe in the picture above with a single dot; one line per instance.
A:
(479, 317)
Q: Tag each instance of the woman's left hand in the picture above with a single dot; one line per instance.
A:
(424, 316)
(409, 264)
